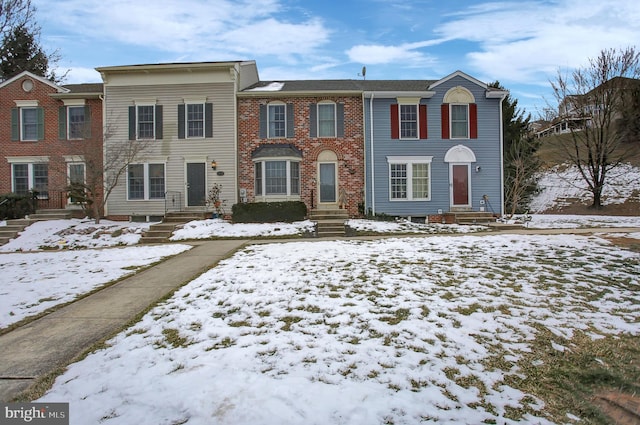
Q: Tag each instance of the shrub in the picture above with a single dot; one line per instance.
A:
(16, 206)
(269, 212)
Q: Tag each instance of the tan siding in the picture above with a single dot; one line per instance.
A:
(175, 152)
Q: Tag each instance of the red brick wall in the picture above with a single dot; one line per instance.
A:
(50, 146)
(349, 149)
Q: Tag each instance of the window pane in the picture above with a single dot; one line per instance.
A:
(41, 180)
(76, 176)
(276, 177)
(277, 121)
(295, 178)
(326, 120)
(136, 181)
(156, 181)
(258, 186)
(20, 178)
(420, 182)
(29, 124)
(195, 120)
(398, 181)
(146, 122)
(459, 125)
(76, 122)
(409, 121)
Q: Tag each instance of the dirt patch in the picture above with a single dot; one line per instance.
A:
(623, 242)
(623, 409)
(629, 208)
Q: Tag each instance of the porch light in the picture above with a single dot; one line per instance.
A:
(214, 165)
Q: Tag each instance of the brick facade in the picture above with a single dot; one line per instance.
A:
(51, 146)
(348, 149)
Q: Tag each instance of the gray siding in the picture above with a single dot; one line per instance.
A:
(486, 148)
(171, 150)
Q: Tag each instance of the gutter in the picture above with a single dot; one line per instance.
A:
(373, 184)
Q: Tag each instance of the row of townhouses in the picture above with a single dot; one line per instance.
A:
(411, 148)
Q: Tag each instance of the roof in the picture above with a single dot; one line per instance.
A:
(33, 76)
(335, 86)
(169, 65)
(84, 88)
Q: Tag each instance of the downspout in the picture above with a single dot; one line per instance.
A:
(502, 203)
(373, 184)
(105, 209)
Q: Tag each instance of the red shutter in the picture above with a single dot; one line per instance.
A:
(444, 109)
(473, 120)
(395, 124)
(423, 121)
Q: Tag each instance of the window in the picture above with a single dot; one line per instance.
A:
(408, 121)
(76, 124)
(145, 181)
(34, 177)
(27, 123)
(326, 120)
(409, 178)
(277, 178)
(145, 122)
(277, 121)
(195, 120)
(459, 122)
(75, 172)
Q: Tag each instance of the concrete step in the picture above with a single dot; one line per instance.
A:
(51, 215)
(150, 240)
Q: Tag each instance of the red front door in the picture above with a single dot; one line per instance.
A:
(460, 184)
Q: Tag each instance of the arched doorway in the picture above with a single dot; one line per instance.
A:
(460, 158)
(327, 180)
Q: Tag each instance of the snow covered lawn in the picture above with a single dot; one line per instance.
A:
(35, 281)
(396, 331)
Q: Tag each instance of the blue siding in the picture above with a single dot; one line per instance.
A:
(486, 149)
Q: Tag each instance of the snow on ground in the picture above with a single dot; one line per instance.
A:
(211, 228)
(75, 234)
(398, 330)
(564, 181)
(33, 282)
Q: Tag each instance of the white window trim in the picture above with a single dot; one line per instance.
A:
(409, 161)
(69, 121)
(335, 118)
(31, 174)
(145, 176)
(417, 105)
(186, 118)
(451, 105)
(137, 105)
(269, 105)
(21, 119)
(263, 179)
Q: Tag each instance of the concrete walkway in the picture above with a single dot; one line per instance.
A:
(55, 340)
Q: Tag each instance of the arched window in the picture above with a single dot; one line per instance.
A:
(459, 114)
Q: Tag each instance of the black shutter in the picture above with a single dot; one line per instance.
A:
(181, 123)
(263, 121)
(313, 120)
(158, 122)
(62, 122)
(290, 126)
(339, 119)
(208, 120)
(132, 123)
(87, 122)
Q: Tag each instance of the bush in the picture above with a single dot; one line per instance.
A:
(269, 212)
(16, 206)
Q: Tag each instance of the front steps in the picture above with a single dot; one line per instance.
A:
(329, 223)
(469, 217)
(14, 227)
(161, 232)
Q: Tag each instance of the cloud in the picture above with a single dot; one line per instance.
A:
(375, 54)
(191, 28)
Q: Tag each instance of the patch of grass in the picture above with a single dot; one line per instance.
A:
(398, 316)
(172, 336)
(289, 321)
(468, 310)
(567, 381)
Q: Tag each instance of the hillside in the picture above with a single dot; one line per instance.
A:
(563, 191)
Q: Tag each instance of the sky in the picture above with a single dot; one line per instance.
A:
(521, 44)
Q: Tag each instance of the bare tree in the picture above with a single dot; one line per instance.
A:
(595, 102)
(105, 165)
(15, 13)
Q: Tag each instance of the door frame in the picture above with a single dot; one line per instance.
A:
(452, 204)
(186, 183)
(327, 157)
